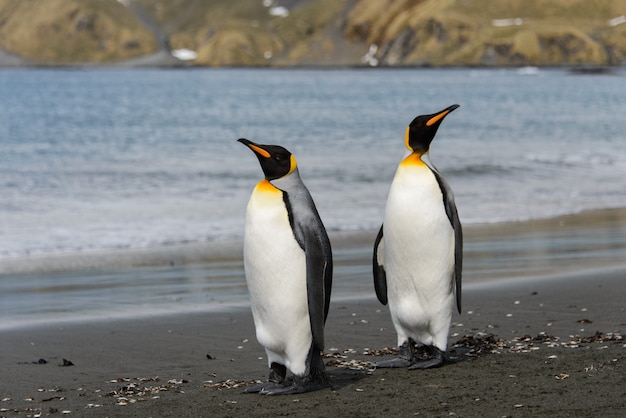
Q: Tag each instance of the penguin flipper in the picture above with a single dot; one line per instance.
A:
(380, 276)
(319, 273)
(453, 216)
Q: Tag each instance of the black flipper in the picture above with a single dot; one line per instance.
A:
(311, 235)
(380, 276)
(319, 276)
(453, 216)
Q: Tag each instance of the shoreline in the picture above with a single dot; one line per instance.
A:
(210, 278)
(477, 240)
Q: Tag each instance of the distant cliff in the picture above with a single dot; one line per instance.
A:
(313, 32)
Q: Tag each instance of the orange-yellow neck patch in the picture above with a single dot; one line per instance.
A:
(265, 186)
(413, 159)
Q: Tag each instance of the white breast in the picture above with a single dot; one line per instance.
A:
(419, 247)
(275, 273)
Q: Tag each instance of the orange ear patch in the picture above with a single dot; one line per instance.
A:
(292, 164)
(406, 138)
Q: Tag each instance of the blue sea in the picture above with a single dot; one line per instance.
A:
(120, 159)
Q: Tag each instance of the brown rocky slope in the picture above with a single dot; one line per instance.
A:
(314, 32)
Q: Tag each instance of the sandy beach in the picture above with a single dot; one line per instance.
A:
(540, 335)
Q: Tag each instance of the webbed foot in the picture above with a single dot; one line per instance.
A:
(433, 359)
(275, 381)
(264, 387)
(300, 385)
(394, 363)
(404, 359)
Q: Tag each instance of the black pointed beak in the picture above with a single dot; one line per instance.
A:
(438, 117)
(258, 149)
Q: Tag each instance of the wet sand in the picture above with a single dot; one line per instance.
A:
(541, 337)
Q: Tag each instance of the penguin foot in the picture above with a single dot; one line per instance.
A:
(433, 359)
(276, 380)
(404, 359)
(264, 387)
(300, 385)
(394, 363)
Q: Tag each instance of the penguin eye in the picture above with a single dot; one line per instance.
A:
(280, 157)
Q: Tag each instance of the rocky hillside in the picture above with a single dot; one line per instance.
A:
(313, 32)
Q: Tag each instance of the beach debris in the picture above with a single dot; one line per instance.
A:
(381, 352)
(360, 365)
(598, 337)
(210, 357)
(561, 376)
(139, 379)
(591, 368)
(584, 321)
(177, 381)
(66, 363)
(60, 398)
(231, 384)
(479, 344)
(133, 391)
(488, 343)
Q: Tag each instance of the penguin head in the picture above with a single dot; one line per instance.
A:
(275, 160)
(420, 132)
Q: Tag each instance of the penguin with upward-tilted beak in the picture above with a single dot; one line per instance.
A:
(418, 252)
(288, 265)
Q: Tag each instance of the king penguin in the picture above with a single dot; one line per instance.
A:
(288, 267)
(418, 252)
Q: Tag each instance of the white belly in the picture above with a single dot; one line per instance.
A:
(419, 257)
(275, 268)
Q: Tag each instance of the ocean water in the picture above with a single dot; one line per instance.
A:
(116, 159)
(104, 159)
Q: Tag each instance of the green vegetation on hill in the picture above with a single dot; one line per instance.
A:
(318, 32)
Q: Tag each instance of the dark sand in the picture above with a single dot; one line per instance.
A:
(544, 359)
